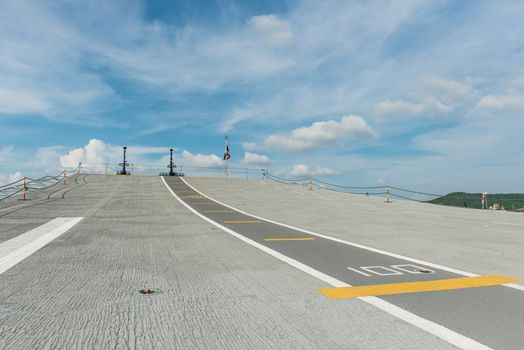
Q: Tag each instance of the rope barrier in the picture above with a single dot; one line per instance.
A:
(12, 183)
(288, 180)
(389, 191)
(416, 192)
(351, 187)
(12, 194)
(27, 184)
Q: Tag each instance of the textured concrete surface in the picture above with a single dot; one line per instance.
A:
(482, 242)
(73, 199)
(81, 290)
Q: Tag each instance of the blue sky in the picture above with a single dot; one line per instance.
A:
(427, 95)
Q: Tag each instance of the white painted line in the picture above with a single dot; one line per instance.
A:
(357, 271)
(515, 285)
(17, 249)
(373, 269)
(414, 269)
(442, 332)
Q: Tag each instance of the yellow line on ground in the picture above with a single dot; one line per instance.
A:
(290, 239)
(218, 211)
(241, 221)
(416, 287)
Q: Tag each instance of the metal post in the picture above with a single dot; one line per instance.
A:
(388, 192)
(24, 190)
(124, 163)
(227, 155)
(171, 172)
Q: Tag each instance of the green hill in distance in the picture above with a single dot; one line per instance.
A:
(510, 201)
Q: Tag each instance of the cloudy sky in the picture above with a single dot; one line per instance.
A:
(428, 95)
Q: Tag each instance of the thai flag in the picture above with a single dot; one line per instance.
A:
(227, 155)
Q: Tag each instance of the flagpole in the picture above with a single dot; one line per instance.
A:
(226, 160)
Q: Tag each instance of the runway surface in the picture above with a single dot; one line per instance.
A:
(74, 258)
(491, 315)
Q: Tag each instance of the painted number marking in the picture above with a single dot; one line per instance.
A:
(393, 270)
(381, 270)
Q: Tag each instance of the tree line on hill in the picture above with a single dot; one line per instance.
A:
(509, 201)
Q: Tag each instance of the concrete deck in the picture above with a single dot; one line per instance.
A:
(81, 290)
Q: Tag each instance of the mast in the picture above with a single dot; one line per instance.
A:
(226, 158)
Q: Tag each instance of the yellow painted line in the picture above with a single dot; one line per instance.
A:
(241, 221)
(290, 239)
(416, 287)
(218, 211)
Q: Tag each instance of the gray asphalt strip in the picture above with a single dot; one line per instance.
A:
(491, 315)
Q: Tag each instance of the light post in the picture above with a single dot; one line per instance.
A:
(124, 163)
(171, 172)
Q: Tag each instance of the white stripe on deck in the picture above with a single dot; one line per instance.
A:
(22, 246)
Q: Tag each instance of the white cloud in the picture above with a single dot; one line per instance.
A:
(249, 146)
(6, 154)
(501, 103)
(304, 170)
(48, 158)
(400, 107)
(326, 172)
(437, 96)
(9, 178)
(300, 170)
(321, 134)
(97, 152)
(253, 158)
(21, 102)
(450, 91)
(203, 160)
(273, 29)
(236, 116)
